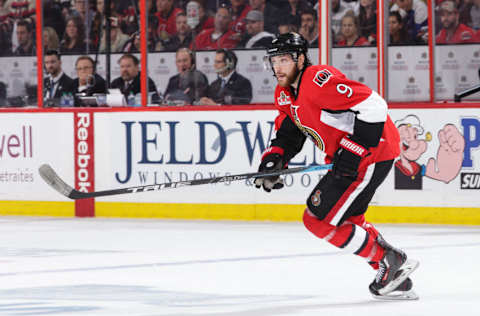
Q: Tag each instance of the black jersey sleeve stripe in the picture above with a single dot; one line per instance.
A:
(367, 134)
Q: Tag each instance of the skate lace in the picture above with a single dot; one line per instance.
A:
(381, 272)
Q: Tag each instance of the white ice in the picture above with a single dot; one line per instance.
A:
(71, 266)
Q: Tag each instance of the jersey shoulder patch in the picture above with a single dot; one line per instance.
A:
(283, 99)
(322, 77)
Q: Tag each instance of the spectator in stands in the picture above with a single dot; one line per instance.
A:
(6, 27)
(189, 85)
(117, 38)
(98, 23)
(56, 83)
(81, 8)
(294, 10)
(464, 7)
(367, 20)
(475, 15)
(453, 32)
(270, 14)
(309, 27)
(52, 17)
(129, 80)
(184, 36)
(74, 38)
(415, 16)
(129, 21)
(21, 9)
(339, 8)
(349, 32)
(26, 44)
(240, 8)
(230, 87)
(286, 26)
(5, 41)
(50, 39)
(256, 37)
(166, 16)
(221, 36)
(3, 94)
(398, 33)
(133, 44)
(206, 20)
(88, 81)
(154, 45)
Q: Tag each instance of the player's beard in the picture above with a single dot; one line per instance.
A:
(290, 77)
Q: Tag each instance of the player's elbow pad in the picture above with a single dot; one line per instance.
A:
(367, 134)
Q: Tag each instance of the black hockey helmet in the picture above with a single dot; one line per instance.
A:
(288, 43)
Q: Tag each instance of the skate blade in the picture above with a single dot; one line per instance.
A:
(407, 268)
(398, 296)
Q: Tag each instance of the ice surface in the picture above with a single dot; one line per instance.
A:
(70, 266)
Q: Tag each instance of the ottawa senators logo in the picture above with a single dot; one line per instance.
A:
(307, 131)
(283, 99)
(315, 198)
(322, 77)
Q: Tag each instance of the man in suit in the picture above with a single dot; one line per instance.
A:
(88, 81)
(56, 83)
(129, 80)
(230, 87)
(189, 85)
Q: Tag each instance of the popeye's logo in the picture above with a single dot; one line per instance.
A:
(283, 99)
(307, 131)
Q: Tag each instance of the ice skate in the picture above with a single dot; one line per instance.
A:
(394, 269)
(403, 292)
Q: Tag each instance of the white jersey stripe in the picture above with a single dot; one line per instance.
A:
(372, 110)
(357, 240)
(366, 179)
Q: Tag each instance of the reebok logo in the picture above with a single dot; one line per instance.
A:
(84, 149)
(352, 147)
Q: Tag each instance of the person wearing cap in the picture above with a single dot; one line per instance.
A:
(256, 36)
(453, 32)
(271, 14)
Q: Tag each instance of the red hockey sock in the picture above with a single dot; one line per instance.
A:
(349, 236)
(360, 221)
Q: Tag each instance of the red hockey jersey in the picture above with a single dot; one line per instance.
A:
(325, 108)
(463, 34)
(204, 40)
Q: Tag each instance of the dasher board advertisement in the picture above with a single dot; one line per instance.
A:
(438, 165)
(28, 140)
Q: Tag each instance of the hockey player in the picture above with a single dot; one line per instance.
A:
(349, 122)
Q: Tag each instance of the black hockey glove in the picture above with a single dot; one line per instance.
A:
(272, 160)
(347, 158)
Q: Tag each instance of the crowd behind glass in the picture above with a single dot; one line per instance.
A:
(77, 27)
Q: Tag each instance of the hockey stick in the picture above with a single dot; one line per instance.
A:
(51, 178)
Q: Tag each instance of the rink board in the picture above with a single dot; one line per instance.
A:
(144, 147)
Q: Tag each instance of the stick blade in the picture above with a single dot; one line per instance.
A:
(51, 178)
